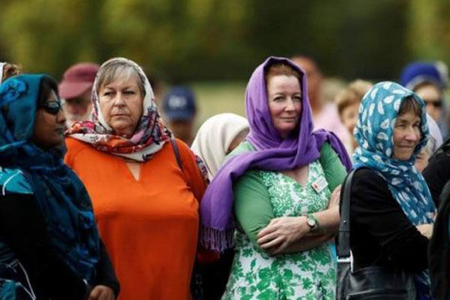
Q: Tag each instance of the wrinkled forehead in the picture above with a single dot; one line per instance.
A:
(117, 73)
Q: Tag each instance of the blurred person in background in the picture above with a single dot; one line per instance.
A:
(348, 102)
(437, 172)
(278, 183)
(180, 109)
(216, 138)
(145, 185)
(76, 89)
(325, 114)
(429, 81)
(49, 242)
(439, 250)
(8, 70)
(434, 142)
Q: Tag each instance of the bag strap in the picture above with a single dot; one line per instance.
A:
(343, 241)
(176, 151)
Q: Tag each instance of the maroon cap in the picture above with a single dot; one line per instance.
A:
(77, 80)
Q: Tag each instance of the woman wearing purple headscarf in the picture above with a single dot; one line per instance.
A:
(278, 183)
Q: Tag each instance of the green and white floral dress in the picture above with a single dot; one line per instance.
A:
(255, 275)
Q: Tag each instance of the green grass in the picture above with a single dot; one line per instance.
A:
(219, 97)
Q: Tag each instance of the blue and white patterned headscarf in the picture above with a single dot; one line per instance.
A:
(374, 133)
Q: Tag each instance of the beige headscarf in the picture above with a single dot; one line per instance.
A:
(215, 136)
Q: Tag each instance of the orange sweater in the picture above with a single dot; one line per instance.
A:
(150, 225)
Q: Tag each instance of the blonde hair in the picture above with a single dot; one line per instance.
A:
(352, 94)
(115, 69)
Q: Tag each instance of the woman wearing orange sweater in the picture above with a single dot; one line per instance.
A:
(145, 186)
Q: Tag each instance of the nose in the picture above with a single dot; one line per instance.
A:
(290, 105)
(60, 117)
(413, 134)
(118, 100)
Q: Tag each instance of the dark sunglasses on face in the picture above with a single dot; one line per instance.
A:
(52, 107)
(436, 104)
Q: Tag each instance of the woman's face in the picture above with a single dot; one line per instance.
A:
(121, 105)
(406, 135)
(285, 102)
(49, 123)
(349, 116)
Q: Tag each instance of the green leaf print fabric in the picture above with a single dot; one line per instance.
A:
(304, 275)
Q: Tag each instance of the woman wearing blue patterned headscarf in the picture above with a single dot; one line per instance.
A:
(391, 207)
(49, 244)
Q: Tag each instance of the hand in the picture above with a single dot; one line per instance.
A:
(426, 230)
(282, 233)
(102, 292)
(335, 197)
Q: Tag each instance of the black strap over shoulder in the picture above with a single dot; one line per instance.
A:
(176, 151)
(343, 241)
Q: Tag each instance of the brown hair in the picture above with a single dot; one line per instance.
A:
(281, 68)
(10, 70)
(410, 105)
(353, 94)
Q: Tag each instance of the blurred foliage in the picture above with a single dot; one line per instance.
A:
(197, 40)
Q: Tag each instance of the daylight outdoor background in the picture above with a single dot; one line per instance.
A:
(214, 45)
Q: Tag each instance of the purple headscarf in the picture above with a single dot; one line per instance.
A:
(273, 153)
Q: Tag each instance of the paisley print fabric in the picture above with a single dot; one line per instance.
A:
(148, 138)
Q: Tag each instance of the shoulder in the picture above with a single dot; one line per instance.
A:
(182, 146)
(14, 181)
(368, 188)
(75, 146)
(326, 149)
(365, 177)
(243, 147)
(185, 153)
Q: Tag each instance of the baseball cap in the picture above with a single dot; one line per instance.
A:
(77, 80)
(419, 72)
(179, 104)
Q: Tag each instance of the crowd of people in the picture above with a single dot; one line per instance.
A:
(105, 197)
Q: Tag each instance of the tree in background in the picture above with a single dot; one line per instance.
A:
(187, 40)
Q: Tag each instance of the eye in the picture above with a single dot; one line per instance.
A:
(107, 93)
(129, 93)
(278, 98)
(298, 98)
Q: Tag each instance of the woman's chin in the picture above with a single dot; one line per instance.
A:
(123, 129)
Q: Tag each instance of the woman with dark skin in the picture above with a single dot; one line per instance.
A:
(49, 244)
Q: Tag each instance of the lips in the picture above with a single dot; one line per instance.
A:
(289, 119)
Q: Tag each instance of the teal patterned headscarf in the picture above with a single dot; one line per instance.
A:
(374, 133)
(26, 168)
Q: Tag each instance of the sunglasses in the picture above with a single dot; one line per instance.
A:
(436, 104)
(52, 107)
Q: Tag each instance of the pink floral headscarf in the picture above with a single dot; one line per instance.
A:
(148, 138)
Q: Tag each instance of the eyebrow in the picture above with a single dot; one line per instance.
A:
(400, 120)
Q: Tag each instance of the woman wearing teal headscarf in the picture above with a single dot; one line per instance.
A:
(49, 244)
(391, 207)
